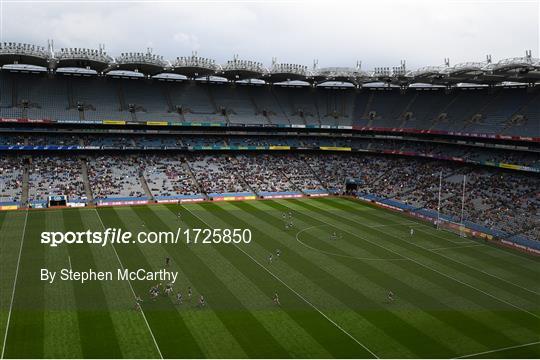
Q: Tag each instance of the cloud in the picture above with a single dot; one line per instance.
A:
(337, 33)
(188, 41)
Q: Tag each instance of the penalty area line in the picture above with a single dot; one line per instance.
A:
(132, 291)
(297, 294)
(418, 262)
(14, 285)
(497, 350)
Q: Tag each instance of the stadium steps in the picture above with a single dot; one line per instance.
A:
(26, 181)
(185, 163)
(406, 109)
(444, 110)
(368, 106)
(121, 97)
(294, 186)
(70, 97)
(241, 176)
(86, 181)
(482, 110)
(145, 186)
(211, 98)
(267, 117)
(378, 178)
(257, 108)
(315, 175)
(303, 117)
(167, 96)
(280, 106)
(318, 111)
(533, 100)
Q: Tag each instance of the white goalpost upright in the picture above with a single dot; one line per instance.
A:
(449, 225)
(439, 202)
(463, 206)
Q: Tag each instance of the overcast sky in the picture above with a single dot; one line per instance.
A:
(337, 33)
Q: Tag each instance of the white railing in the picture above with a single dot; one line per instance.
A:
(9, 48)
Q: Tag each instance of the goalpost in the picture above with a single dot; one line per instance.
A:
(443, 224)
(452, 226)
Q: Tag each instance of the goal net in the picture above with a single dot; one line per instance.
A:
(452, 227)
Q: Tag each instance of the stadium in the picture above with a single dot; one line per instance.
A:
(300, 211)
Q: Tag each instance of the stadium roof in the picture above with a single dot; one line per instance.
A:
(524, 69)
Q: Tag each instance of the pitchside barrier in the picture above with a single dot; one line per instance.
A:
(466, 229)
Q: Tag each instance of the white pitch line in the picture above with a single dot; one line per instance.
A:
(14, 285)
(453, 247)
(69, 260)
(132, 291)
(443, 238)
(435, 251)
(427, 266)
(341, 255)
(396, 224)
(296, 293)
(501, 349)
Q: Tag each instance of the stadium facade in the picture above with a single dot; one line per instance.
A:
(79, 127)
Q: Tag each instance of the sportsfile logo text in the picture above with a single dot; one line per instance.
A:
(119, 236)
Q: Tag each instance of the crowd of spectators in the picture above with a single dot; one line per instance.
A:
(500, 199)
(11, 178)
(264, 173)
(218, 174)
(115, 176)
(508, 200)
(130, 141)
(55, 175)
(166, 175)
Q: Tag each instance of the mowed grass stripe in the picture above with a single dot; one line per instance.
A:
(309, 284)
(11, 228)
(131, 331)
(482, 278)
(305, 326)
(295, 341)
(61, 328)
(508, 257)
(513, 267)
(413, 285)
(25, 334)
(162, 318)
(285, 330)
(205, 325)
(98, 338)
(474, 257)
(414, 339)
(479, 288)
(498, 308)
(257, 342)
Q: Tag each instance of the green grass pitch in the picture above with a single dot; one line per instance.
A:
(454, 297)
